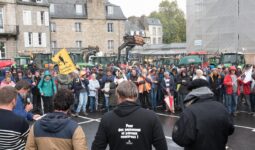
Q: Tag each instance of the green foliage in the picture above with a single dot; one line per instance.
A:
(173, 21)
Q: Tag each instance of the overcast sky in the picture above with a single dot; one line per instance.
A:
(142, 7)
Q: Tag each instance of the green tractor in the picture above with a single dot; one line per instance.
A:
(232, 59)
(22, 62)
(43, 60)
(214, 61)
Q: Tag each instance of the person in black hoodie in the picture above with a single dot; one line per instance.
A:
(123, 128)
(205, 124)
(183, 80)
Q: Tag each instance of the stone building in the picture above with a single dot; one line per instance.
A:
(23, 27)
(77, 24)
(32, 16)
(154, 27)
(150, 28)
(9, 29)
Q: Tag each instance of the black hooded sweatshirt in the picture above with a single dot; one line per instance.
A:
(130, 127)
(205, 124)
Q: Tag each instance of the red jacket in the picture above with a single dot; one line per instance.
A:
(228, 84)
(246, 86)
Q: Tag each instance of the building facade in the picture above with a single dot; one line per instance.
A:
(149, 28)
(24, 27)
(9, 30)
(221, 26)
(86, 23)
(32, 16)
(154, 27)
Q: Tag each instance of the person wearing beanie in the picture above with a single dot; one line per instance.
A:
(204, 123)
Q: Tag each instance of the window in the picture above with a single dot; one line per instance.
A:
(40, 38)
(154, 41)
(27, 18)
(42, 16)
(77, 27)
(159, 41)
(52, 8)
(110, 27)
(159, 31)
(78, 9)
(53, 27)
(110, 44)
(110, 10)
(1, 19)
(78, 44)
(30, 38)
(2, 50)
(154, 31)
(38, 1)
(54, 44)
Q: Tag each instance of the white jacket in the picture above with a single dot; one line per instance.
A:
(93, 87)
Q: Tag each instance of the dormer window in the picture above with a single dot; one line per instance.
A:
(39, 1)
(78, 9)
(52, 8)
(110, 10)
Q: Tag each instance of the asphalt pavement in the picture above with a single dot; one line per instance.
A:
(242, 139)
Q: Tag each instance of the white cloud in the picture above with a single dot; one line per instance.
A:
(142, 7)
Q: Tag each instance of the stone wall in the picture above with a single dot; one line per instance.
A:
(93, 33)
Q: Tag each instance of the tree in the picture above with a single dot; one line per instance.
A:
(172, 20)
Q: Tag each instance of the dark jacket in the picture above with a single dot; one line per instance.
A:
(140, 134)
(205, 124)
(184, 82)
(56, 131)
(164, 87)
(215, 83)
(107, 79)
(77, 86)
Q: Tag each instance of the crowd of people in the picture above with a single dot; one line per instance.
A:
(94, 88)
(33, 93)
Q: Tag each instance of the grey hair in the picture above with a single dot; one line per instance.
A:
(166, 73)
(127, 90)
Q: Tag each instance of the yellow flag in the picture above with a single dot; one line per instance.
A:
(64, 61)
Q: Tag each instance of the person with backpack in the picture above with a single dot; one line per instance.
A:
(47, 89)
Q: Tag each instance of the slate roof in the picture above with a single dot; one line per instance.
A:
(65, 9)
(117, 12)
(153, 21)
(33, 3)
(129, 26)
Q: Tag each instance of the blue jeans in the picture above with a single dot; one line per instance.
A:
(83, 98)
(92, 103)
(231, 102)
(106, 103)
(153, 94)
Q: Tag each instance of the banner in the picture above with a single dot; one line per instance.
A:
(64, 61)
(169, 100)
(248, 74)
